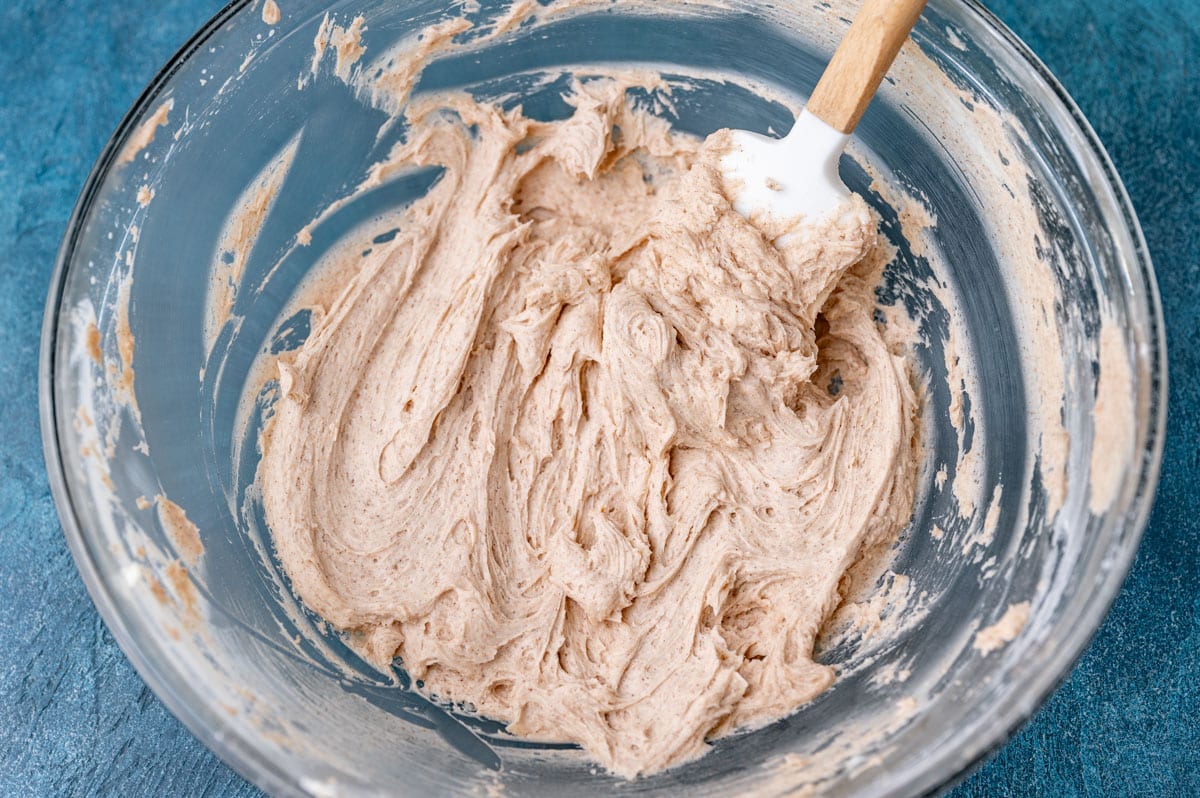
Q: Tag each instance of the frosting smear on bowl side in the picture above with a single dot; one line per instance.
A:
(581, 446)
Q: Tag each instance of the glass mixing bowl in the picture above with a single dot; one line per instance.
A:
(1021, 263)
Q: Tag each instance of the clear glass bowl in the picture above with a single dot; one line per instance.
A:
(225, 644)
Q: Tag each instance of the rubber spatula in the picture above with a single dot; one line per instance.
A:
(797, 176)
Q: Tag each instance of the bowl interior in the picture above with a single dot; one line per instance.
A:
(1015, 253)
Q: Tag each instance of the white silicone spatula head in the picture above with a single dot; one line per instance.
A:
(797, 176)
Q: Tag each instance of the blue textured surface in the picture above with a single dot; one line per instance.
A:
(76, 719)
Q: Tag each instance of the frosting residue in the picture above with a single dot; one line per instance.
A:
(1003, 631)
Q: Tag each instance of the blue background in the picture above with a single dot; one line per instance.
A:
(76, 719)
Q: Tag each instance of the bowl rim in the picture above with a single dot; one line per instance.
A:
(940, 771)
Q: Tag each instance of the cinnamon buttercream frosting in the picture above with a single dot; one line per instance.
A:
(581, 446)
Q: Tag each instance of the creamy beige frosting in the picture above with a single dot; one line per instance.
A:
(584, 449)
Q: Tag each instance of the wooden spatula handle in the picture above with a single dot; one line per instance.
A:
(861, 61)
